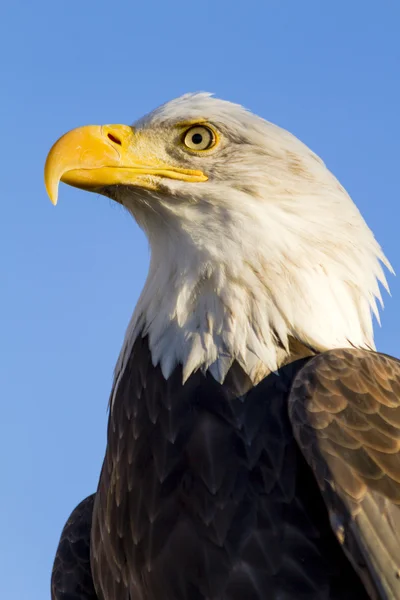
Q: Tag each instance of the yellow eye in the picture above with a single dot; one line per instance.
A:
(199, 138)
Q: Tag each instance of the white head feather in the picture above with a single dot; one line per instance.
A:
(270, 247)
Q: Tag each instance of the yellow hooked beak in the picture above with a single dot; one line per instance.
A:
(97, 156)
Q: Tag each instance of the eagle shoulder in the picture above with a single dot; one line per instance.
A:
(344, 406)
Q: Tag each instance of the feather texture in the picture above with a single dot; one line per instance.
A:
(345, 410)
(71, 577)
(204, 494)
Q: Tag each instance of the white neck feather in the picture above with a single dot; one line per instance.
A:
(218, 292)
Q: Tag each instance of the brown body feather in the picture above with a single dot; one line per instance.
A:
(205, 493)
(345, 410)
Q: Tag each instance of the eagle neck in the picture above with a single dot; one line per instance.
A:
(204, 315)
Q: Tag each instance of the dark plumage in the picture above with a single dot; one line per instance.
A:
(71, 578)
(219, 499)
(345, 411)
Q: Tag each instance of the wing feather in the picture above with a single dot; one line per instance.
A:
(345, 410)
(71, 577)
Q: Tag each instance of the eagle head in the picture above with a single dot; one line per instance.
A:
(254, 243)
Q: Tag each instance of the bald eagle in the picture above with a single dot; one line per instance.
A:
(254, 431)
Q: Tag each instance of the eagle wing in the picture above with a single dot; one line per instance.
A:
(344, 406)
(71, 578)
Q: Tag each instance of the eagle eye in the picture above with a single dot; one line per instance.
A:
(199, 137)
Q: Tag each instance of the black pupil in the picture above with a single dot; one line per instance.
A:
(197, 138)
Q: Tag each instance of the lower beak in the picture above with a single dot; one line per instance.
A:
(97, 156)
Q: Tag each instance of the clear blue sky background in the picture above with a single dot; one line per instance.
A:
(327, 71)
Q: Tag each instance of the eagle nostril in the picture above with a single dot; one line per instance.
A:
(114, 139)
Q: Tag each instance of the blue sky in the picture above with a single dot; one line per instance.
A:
(327, 71)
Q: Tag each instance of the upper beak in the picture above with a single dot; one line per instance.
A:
(96, 156)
